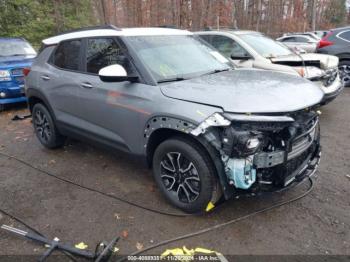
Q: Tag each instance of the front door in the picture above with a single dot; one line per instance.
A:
(111, 110)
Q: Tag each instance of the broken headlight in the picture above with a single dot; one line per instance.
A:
(237, 143)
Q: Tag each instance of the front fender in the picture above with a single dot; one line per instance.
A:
(185, 128)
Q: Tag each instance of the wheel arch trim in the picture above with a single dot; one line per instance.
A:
(184, 127)
(36, 94)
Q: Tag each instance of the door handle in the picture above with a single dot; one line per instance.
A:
(86, 85)
(45, 77)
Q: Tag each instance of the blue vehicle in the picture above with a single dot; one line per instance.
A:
(15, 55)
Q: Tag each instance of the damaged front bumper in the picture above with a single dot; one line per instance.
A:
(331, 85)
(263, 153)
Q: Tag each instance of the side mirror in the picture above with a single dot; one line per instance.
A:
(245, 57)
(115, 73)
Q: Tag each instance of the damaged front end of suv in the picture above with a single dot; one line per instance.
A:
(263, 153)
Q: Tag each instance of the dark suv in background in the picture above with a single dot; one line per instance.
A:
(337, 42)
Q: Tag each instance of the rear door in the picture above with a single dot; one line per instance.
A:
(289, 41)
(60, 78)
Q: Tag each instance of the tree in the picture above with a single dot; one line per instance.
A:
(39, 19)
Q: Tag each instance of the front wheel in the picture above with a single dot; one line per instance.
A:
(344, 72)
(185, 174)
(45, 128)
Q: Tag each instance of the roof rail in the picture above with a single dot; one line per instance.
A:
(209, 28)
(168, 26)
(113, 27)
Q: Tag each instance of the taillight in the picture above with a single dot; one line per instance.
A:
(324, 41)
(26, 71)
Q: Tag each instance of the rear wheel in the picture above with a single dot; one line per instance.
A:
(344, 72)
(185, 175)
(45, 128)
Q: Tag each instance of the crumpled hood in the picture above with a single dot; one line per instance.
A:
(247, 91)
(326, 61)
(18, 61)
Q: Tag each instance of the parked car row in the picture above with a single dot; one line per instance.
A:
(334, 42)
(249, 49)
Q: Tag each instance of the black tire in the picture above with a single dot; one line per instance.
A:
(199, 179)
(2, 107)
(45, 128)
(344, 71)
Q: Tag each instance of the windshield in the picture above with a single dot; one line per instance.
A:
(13, 47)
(177, 57)
(265, 46)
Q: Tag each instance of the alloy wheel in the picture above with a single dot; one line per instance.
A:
(344, 72)
(180, 177)
(42, 125)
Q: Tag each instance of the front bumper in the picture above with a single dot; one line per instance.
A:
(14, 93)
(306, 170)
(331, 96)
(278, 170)
(332, 91)
(4, 101)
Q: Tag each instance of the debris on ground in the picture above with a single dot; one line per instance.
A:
(81, 245)
(139, 246)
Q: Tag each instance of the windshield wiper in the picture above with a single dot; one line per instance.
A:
(216, 71)
(174, 79)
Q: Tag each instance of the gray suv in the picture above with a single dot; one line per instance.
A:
(337, 42)
(206, 129)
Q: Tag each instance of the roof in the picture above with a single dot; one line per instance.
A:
(12, 39)
(340, 28)
(230, 31)
(296, 35)
(103, 31)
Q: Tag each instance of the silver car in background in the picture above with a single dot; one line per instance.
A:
(249, 49)
(300, 42)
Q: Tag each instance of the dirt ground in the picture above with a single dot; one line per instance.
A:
(318, 224)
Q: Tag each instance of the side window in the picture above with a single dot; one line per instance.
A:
(102, 52)
(228, 47)
(205, 38)
(345, 36)
(288, 39)
(67, 55)
(300, 39)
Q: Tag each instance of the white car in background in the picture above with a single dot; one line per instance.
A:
(300, 42)
(249, 49)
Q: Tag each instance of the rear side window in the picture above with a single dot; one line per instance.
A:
(67, 55)
(345, 36)
(102, 52)
(288, 39)
(205, 38)
(301, 39)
